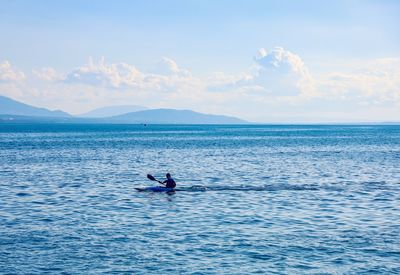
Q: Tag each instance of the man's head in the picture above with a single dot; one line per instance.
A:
(168, 175)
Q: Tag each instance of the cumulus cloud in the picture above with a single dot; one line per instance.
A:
(282, 73)
(101, 82)
(167, 66)
(276, 73)
(101, 74)
(375, 82)
(48, 74)
(277, 79)
(167, 76)
(220, 81)
(8, 74)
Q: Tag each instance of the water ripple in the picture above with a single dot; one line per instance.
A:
(250, 199)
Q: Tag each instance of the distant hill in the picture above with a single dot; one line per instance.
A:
(172, 116)
(10, 106)
(12, 111)
(113, 111)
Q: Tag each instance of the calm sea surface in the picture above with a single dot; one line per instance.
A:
(253, 199)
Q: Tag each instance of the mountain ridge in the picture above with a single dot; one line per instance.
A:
(175, 116)
(108, 111)
(9, 106)
(12, 111)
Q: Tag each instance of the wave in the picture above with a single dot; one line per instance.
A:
(266, 187)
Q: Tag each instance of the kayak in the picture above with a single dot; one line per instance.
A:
(155, 189)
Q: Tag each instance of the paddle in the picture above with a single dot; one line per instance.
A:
(150, 177)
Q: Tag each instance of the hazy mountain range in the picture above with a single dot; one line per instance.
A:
(13, 107)
(113, 111)
(174, 116)
(14, 111)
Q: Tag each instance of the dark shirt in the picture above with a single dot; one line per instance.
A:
(170, 183)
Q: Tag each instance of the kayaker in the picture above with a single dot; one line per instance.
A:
(169, 182)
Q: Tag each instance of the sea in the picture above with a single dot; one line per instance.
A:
(250, 199)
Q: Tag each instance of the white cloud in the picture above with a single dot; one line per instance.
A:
(119, 83)
(167, 66)
(222, 82)
(282, 73)
(278, 84)
(166, 77)
(48, 74)
(101, 74)
(278, 73)
(374, 83)
(8, 74)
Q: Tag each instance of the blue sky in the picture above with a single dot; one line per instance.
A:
(211, 49)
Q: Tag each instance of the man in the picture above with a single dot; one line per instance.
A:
(169, 182)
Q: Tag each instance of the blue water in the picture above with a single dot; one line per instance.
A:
(254, 199)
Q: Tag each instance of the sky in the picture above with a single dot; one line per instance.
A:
(264, 61)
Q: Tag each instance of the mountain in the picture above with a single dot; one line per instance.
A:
(12, 111)
(172, 116)
(113, 111)
(9, 106)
